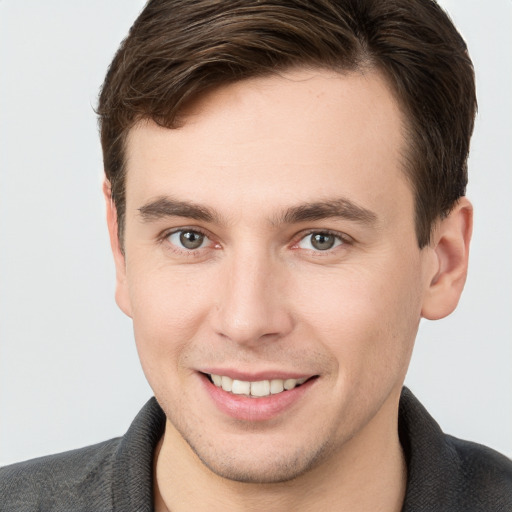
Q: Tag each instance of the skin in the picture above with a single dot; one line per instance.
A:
(257, 296)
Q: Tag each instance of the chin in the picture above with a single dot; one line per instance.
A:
(261, 466)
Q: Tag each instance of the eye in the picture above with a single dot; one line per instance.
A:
(188, 239)
(320, 241)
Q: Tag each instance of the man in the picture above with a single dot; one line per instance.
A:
(285, 200)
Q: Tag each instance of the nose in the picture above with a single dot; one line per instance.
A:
(252, 303)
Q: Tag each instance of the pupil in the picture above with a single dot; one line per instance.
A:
(191, 239)
(322, 241)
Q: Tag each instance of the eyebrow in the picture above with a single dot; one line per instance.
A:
(332, 208)
(168, 207)
(163, 207)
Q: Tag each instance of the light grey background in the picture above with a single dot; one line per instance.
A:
(69, 374)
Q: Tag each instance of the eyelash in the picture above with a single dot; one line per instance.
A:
(164, 239)
(343, 238)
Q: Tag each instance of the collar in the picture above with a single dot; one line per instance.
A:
(444, 473)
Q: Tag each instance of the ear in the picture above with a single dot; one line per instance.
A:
(451, 252)
(122, 295)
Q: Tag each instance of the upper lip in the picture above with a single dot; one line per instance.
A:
(256, 376)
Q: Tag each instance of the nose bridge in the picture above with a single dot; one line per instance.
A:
(252, 301)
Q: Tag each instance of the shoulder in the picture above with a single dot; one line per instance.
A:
(453, 474)
(485, 473)
(81, 477)
(113, 475)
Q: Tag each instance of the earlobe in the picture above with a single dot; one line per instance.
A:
(122, 296)
(451, 252)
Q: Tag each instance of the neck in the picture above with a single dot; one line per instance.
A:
(367, 473)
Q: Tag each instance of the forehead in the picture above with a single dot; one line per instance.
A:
(306, 132)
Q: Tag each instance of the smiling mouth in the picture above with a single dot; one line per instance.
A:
(257, 389)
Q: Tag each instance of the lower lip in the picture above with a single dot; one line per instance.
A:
(244, 408)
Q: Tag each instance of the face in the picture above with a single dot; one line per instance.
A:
(272, 270)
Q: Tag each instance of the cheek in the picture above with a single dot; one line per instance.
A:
(168, 308)
(366, 318)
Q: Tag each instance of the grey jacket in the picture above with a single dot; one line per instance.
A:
(445, 474)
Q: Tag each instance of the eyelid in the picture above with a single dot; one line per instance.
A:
(346, 239)
(163, 238)
(170, 231)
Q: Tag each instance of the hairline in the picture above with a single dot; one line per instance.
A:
(365, 64)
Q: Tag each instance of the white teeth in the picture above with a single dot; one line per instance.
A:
(276, 386)
(260, 388)
(226, 383)
(289, 384)
(256, 389)
(240, 387)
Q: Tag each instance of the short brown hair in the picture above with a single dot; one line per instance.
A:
(177, 49)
